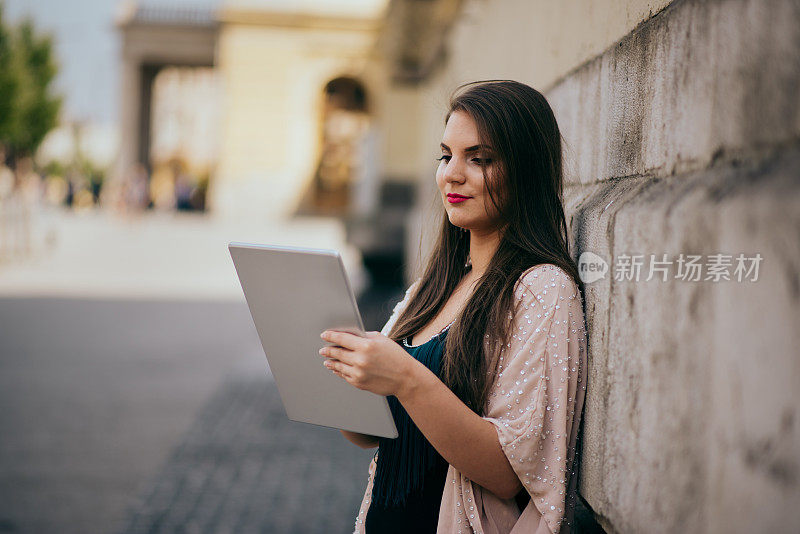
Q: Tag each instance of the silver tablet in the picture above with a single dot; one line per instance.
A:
(293, 295)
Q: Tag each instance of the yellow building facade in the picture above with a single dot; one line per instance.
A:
(274, 68)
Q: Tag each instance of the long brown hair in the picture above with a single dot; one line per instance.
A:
(518, 123)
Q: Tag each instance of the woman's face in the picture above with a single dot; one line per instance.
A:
(460, 172)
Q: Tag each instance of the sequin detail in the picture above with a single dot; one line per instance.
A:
(536, 404)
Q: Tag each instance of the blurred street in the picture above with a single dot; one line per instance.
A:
(136, 396)
(153, 255)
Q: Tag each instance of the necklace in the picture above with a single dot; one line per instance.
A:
(406, 340)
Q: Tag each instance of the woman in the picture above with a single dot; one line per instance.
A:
(484, 360)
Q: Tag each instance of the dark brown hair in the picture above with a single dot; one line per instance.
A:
(518, 123)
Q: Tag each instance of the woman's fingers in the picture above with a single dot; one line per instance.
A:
(352, 357)
(338, 368)
(344, 339)
(338, 353)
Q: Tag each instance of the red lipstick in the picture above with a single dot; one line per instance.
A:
(454, 198)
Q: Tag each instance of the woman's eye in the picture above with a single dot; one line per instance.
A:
(479, 161)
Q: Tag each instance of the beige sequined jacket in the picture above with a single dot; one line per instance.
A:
(535, 404)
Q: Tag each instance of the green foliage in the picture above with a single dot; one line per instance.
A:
(9, 85)
(28, 110)
(55, 168)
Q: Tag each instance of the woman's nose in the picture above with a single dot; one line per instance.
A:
(453, 171)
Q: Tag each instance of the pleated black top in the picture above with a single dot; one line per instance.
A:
(410, 474)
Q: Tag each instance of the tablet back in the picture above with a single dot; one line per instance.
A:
(293, 295)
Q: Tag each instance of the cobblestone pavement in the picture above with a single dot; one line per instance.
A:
(244, 467)
(108, 402)
(131, 373)
(94, 394)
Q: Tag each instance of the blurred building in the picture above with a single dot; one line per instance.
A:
(295, 113)
(301, 114)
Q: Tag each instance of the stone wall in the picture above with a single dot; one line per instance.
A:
(681, 138)
(684, 138)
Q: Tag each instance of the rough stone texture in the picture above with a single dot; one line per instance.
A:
(696, 81)
(685, 139)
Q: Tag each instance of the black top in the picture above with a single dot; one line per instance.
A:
(419, 512)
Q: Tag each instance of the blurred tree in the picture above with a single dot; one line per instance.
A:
(8, 82)
(28, 110)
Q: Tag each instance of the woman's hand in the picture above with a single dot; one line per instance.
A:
(374, 363)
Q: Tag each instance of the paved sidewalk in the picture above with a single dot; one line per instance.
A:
(135, 394)
(96, 393)
(244, 467)
(155, 256)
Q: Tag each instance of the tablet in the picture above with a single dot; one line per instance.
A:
(293, 295)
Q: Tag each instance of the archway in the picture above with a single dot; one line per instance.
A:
(154, 39)
(344, 122)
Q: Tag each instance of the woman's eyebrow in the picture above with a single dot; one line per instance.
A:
(473, 148)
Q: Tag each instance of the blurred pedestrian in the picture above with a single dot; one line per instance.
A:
(135, 190)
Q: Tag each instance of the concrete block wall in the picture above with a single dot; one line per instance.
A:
(684, 138)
